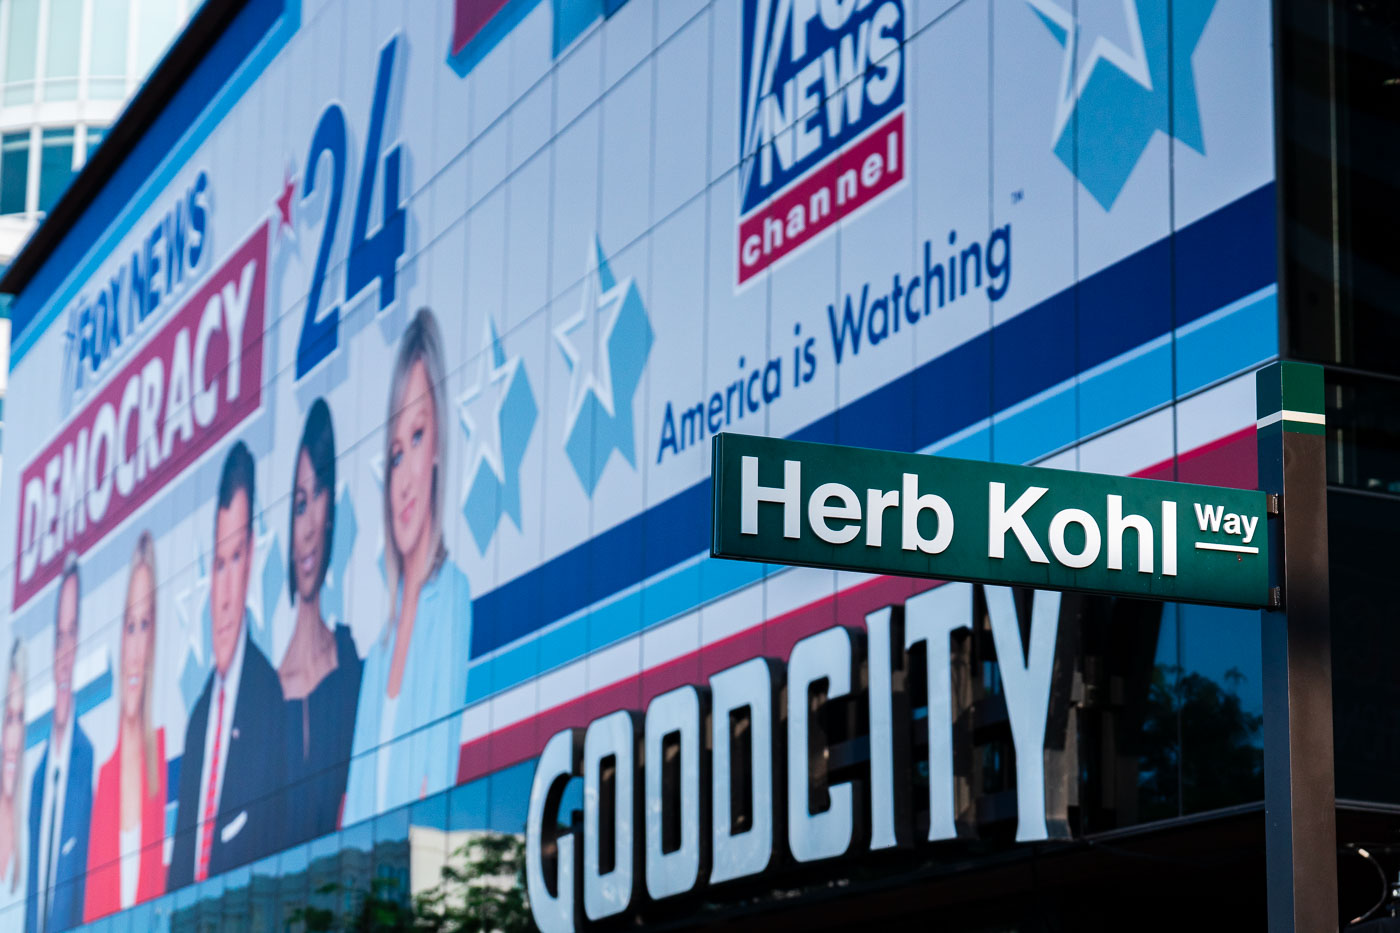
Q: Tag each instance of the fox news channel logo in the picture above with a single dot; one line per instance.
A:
(821, 119)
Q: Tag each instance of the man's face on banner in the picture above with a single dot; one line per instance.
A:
(233, 556)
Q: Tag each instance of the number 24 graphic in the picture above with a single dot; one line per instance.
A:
(373, 256)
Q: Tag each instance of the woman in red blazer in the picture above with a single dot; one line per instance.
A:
(128, 810)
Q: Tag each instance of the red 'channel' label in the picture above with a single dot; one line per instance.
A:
(847, 182)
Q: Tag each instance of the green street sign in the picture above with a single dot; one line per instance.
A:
(851, 508)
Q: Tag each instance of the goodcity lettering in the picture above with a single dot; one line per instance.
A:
(672, 802)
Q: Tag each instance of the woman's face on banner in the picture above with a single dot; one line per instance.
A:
(310, 505)
(412, 450)
(138, 639)
(12, 737)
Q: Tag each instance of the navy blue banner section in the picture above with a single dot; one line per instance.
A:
(1219, 259)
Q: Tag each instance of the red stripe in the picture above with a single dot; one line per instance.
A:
(1228, 461)
(774, 638)
(1232, 460)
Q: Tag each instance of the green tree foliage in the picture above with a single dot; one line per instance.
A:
(481, 890)
(1199, 743)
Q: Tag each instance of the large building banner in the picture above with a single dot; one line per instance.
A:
(359, 434)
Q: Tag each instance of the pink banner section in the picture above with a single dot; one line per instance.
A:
(853, 178)
(469, 18)
(1228, 461)
(194, 380)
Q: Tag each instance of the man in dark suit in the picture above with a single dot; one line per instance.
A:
(60, 802)
(231, 776)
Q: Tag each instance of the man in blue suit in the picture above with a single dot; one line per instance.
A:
(60, 802)
(231, 776)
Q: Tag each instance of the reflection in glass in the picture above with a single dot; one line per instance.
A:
(55, 166)
(262, 896)
(14, 172)
(292, 888)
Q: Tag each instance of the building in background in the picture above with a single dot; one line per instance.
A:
(67, 67)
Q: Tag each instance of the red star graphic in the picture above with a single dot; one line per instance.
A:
(284, 202)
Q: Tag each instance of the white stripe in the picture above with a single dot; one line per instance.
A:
(1232, 548)
(1287, 414)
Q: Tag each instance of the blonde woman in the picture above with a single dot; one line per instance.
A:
(415, 674)
(128, 811)
(11, 781)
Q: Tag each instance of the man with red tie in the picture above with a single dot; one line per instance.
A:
(229, 805)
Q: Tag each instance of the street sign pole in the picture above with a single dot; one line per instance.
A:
(1299, 786)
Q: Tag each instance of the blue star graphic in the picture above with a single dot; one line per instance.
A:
(1118, 86)
(498, 414)
(606, 345)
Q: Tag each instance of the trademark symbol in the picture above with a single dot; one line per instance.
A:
(1018, 196)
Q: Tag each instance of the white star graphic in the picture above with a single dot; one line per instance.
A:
(266, 549)
(587, 354)
(376, 469)
(189, 606)
(479, 409)
(1078, 65)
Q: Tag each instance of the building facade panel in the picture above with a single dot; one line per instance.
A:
(471, 294)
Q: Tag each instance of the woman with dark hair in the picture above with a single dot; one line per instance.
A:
(320, 671)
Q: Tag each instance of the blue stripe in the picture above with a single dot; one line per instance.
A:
(122, 198)
(1118, 310)
(1236, 338)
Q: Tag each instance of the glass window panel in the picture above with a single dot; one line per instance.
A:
(184, 912)
(14, 172)
(1363, 432)
(292, 884)
(107, 58)
(510, 797)
(159, 21)
(469, 806)
(61, 60)
(55, 166)
(356, 865)
(21, 51)
(1220, 704)
(428, 842)
(159, 914)
(208, 909)
(391, 855)
(262, 910)
(324, 875)
(235, 904)
(1365, 643)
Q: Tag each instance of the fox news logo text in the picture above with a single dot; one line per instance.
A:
(821, 118)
